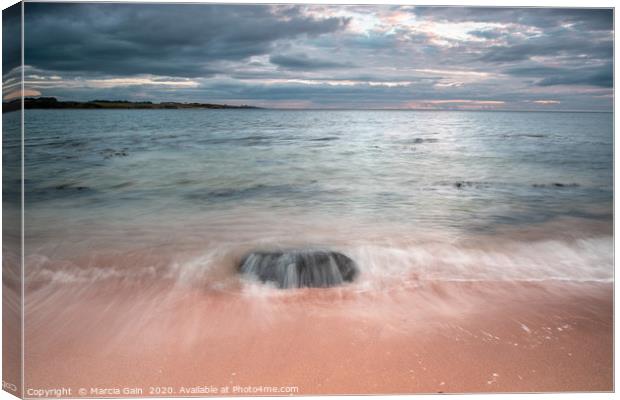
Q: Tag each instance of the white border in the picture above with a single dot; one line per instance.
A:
(485, 3)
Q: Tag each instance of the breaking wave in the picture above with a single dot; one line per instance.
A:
(380, 265)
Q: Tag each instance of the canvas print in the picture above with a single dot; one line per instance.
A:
(306, 199)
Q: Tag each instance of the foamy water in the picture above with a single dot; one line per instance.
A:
(583, 260)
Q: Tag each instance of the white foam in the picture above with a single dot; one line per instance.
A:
(579, 260)
(381, 265)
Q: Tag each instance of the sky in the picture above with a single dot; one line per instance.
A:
(320, 56)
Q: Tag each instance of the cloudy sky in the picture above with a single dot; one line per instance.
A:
(319, 56)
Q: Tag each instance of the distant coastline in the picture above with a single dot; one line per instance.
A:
(53, 103)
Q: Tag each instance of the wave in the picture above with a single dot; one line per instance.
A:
(381, 266)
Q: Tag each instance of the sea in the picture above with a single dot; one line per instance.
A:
(409, 195)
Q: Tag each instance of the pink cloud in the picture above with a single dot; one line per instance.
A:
(16, 94)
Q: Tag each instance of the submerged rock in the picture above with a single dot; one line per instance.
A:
(299, 268)
(69, 186)
(555, 184)
(110, 153)
(477, 185)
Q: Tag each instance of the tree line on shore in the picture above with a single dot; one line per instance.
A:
(53, 103)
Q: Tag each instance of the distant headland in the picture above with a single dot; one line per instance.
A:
(54, 103)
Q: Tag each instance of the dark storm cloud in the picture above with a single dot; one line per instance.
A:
(322, 55)
(588, 19)
(160, 39)
(11, 38)
(303, 62)
(567, 44)
(601, 76)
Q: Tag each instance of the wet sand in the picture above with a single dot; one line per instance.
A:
(430, 337)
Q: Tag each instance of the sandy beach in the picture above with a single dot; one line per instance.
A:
(525, 310)
(449, 337)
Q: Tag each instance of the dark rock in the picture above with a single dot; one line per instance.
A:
(462, 184)
(299, 268)
(422, 140)
(109, 153)
(565, 184)
(527, 135)
(555, 184)
(61, 190)
(69, 186)
(477, 185)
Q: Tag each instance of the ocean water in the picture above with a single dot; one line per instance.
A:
(409, 195)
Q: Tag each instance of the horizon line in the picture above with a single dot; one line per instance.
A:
(251, 106)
